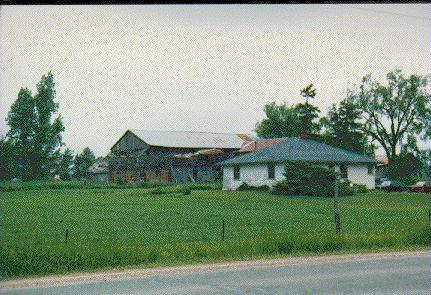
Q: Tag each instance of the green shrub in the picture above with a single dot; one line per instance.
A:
(360, 188)
(303, 178)
(246, 187)
(205, 186)
(186, 191)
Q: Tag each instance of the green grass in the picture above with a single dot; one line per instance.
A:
(9, 186)
(111, 228)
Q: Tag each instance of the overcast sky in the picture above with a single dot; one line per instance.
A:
(199, 68)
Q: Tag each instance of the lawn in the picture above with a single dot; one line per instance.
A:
(111, 228)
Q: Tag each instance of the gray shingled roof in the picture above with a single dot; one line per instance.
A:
(298, 149)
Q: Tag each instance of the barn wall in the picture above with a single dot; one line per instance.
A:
(129, 142)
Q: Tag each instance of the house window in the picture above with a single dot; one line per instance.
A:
(370, 169)
(236, 172)
(343, 171)
(271, 171)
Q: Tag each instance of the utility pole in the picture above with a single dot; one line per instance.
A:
(336, 211)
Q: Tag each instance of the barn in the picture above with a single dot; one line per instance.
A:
(172, 156)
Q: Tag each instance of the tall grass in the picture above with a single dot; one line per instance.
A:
(38, 258)
(8, 186)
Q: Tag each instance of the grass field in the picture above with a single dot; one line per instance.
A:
(112, 228)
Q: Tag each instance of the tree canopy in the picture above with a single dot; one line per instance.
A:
(344, 129)
(283, 120)
(396, 114)
(34, 131)
(82, 162)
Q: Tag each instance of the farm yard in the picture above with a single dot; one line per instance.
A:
(136, 227)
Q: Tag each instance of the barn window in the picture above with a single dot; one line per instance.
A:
(343, 171)
(236, 174)
(271, 171)
(370, 169)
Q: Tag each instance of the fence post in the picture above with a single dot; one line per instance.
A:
(67, 236)
(336, 212)
(222, 231)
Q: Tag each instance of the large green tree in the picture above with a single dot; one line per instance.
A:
(34, 131)
(82, 162)
(344, 129)
(284, 120)
(397, 113)
(281, 120)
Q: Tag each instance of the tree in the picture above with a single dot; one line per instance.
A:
(64, 167)
(308, 92)
(33, 132)
(308, 116)
(308, 113)
(404, 166)
(343, 128)
(82, 162)
(7, 159)
(304, 178)
(396, 114)
(281, 120)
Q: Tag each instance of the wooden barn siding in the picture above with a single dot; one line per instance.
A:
(129, 142)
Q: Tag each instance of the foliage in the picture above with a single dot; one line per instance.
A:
(281, 121)
(82, 162)
(308, 92)
(343, 128)
(403, 166)
(360, 188)
(396, 114)
(110, 228)
(308, 113)
(186, 190)
(64, 165)
(33, 132)
(303, 178)
(8, 166)
(288, 121)
(246, 187)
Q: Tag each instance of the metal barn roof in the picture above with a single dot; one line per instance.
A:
(189, 139)
(298, 149)
(260, 144)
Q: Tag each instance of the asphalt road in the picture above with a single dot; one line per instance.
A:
(367, 274)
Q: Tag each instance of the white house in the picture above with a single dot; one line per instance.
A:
(265, 167)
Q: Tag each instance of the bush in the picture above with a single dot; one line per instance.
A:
(303, 178)
(245, 187)
(186, 191)
(120, 181)
(360, 188)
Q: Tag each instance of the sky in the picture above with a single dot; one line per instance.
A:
(200, 67)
